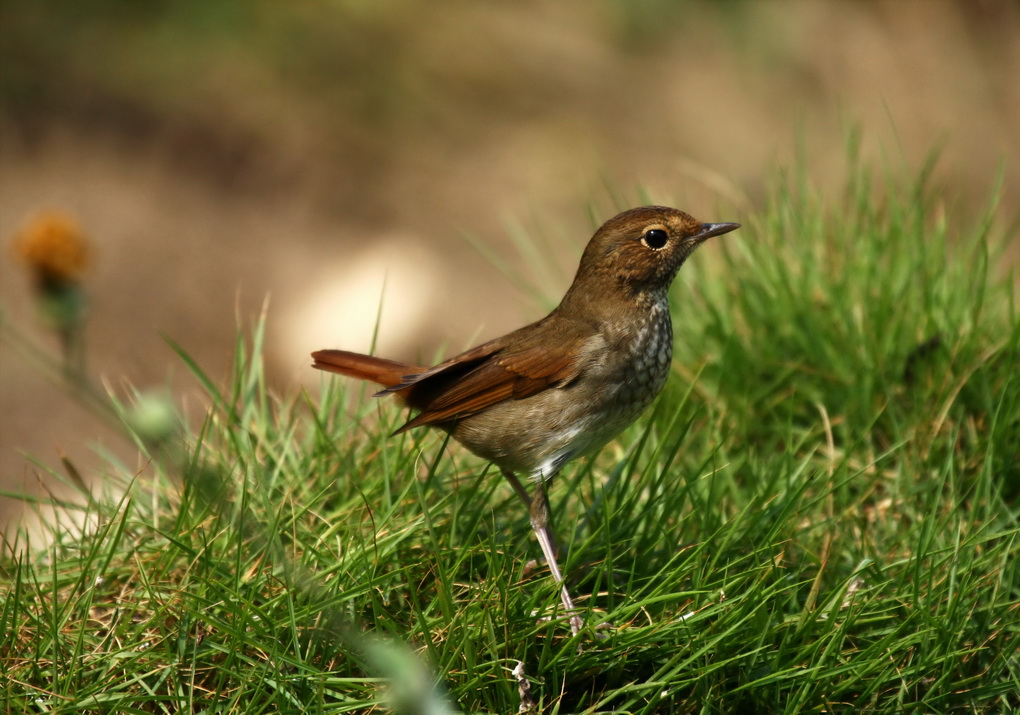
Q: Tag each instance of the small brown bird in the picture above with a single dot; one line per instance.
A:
(536, 398)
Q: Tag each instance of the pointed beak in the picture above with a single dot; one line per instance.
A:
(713, 229)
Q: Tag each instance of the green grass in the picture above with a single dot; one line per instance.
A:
(820, 514)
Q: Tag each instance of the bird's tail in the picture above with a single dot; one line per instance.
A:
(364, 367)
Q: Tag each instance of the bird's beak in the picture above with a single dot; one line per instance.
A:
(713, 229)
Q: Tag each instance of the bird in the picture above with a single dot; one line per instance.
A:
(560, 388)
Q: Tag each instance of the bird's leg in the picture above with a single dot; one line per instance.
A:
(518, 487)
(540, 525)
(538, 506)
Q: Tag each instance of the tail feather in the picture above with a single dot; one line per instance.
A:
(364, 367)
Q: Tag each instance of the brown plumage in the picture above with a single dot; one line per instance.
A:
(534, 399)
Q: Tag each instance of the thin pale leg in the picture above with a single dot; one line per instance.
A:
(518, 487)
(538, 506)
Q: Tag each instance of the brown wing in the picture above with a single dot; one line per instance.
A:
(544, 355)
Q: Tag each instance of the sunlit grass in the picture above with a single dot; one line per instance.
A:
(820, 514)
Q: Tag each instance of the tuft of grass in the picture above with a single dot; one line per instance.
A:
(820, 514)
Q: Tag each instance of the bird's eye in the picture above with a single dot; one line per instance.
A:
(655, 238)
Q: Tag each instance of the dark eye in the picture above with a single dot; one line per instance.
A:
(655, 238)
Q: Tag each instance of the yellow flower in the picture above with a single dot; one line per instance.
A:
(54, 247)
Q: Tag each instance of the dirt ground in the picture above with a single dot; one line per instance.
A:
(349, 161)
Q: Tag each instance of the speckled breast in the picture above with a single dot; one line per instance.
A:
(644, 370)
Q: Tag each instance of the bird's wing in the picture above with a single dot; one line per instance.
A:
(539, 357)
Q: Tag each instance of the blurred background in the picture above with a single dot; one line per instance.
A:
(330, 155)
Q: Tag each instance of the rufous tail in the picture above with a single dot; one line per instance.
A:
(364, 367)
